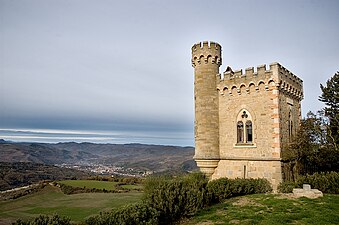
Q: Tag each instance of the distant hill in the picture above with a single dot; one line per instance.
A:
(17, 174)
(39, 153)
(157, 158)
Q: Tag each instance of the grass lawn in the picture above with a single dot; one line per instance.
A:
(270, 210)
(51, 200)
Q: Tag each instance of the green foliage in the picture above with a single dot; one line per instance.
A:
(310, 151)
(262, 185)
(90, 184)
(315, 146)
(286, 186)
(327, 182)
(330, 96)
(168, 199)
(46, 220)
(121, 180)
(19, 174)
(218, 190)
(177, 197)
(224, 188)
(68, 189)
(132, 214)
(22, 192)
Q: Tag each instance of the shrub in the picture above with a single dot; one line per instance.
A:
(68, 190)
(262, 185)
(218, 190)
(286, 186)
(131, 214)
(325, 182)
(177, 197)
(46, 220)
(223, 188)
(167, 200)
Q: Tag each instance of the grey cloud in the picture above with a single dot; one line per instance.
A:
(126, 65)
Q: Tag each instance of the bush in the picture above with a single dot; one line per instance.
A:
(218, 190)
(177, 197)
(167, 200)
(223, 188)
(286, 186)
(128, 215)
(68, 190)
(325, 182)
(262, 185)
(46, 220)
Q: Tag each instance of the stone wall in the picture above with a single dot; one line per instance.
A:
(270, 169)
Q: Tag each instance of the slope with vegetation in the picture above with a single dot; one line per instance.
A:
(157, 158)
(19, 174)
(269, 209)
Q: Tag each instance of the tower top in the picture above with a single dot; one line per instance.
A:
(206, 52)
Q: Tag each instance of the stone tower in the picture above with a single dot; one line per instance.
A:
(206, 60)
(243, 121)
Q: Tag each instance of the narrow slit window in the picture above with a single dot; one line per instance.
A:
(290, 126)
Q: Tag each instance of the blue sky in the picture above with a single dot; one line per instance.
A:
(120, 71)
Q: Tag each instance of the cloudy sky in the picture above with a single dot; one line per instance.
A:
(120, 71)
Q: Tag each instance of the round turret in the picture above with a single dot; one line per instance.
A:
(203, 53)
(206, 60)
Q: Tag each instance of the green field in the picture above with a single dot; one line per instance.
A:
(51, 200)
(271, 210)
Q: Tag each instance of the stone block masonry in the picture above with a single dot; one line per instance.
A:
(243, 120)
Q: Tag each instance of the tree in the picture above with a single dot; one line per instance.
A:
(330, 96)
(315, 146)
(301, 154)
(310, 151)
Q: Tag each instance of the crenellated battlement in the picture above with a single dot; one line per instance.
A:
(249, 73)
(277, 76)
(205, 52)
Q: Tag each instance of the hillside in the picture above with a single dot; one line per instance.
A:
(18, 174)
(155, 158)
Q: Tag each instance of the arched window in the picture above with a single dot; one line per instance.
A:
(244, 128)
(240, 132)
(249, 136)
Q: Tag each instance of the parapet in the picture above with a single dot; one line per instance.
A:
(285, 76)
(204, 52)
(276, 75)
(250, 73)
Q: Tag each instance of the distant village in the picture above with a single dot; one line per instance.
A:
(110, 170)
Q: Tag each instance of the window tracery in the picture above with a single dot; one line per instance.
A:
(244, 128)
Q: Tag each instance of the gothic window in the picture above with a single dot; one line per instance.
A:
(244, 128)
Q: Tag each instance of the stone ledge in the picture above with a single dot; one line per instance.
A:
(307, 192)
